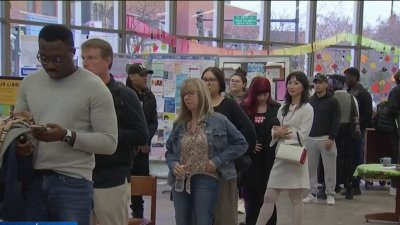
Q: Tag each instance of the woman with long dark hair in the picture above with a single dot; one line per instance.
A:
(262, 111)
(296, 118)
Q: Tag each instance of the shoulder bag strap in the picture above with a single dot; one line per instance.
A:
(299, 139)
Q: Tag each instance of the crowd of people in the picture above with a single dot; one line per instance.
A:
(96, 132)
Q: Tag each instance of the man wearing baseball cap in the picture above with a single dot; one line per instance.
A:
(137, 80)
(321, 140)
(138, 68)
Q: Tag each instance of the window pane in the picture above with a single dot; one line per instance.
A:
(38, 11)
(396, 7)
(333, 60)
(299, 62)
(377, 70)
(334, 17)
(82, 36)
(24, 48)
(201, 49)
(197, 18)
(379, 25)
(154, 14)
(242, 46)
(138, 45)
(285, 27)
(248, 24)
(98, 14)
(1, 8)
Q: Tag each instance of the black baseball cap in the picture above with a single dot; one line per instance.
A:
(320, 77)
(138, 68)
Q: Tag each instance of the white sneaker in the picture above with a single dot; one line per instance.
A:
(241, 209)
(330, 200)
(310, 199)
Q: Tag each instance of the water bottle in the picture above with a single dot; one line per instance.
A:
(179, 184)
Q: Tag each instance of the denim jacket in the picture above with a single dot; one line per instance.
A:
(225, 143)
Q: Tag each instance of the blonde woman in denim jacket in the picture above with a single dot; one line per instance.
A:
(202, 148)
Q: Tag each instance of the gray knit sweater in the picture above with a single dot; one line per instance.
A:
(80, 102)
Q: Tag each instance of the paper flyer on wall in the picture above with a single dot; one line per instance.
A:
(120, 63)
(194, 70)
(157, 65)
(160, 103)
(168, 120)
(169, 66)
(168, 75)
(158, 74)
(157, 86)
(169, 88)
(158, 139)
(118, 69)
(169, 106)
(179, 80)
(8, 94)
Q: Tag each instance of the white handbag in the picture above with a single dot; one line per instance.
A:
(292, 153)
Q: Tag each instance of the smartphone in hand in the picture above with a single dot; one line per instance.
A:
(41, 128)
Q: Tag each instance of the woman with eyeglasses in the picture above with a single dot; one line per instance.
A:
(262, 110)
(200, 151)
(227, 206)
(296, 118)
(237, 85)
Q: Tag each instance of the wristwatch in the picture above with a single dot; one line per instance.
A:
(68, 138)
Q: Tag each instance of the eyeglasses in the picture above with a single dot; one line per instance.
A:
(236, 81)
(189, 93)
(210, 81)
(56, 60)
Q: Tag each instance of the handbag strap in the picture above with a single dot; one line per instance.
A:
(298, 138)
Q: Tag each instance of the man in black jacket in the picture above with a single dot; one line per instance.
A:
(321, 140)
(111, 175)
(394, 113)
(364, 100)
(137, 80)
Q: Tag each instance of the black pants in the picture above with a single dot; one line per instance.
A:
(140, 168)
(344, 162)
(254, 197)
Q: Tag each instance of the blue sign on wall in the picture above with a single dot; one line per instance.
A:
(27, 70)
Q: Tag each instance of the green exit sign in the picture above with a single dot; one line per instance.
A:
(245, 20)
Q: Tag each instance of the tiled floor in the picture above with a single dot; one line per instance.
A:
(346, 212)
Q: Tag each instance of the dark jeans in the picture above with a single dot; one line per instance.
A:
(199, 204)
(140, 168)
(254, 197)
(55, 197)
(358, 156)
(344, 162)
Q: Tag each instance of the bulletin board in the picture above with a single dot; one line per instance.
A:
(120, 62)
(9, 87)
(170, 70)
(273, 67)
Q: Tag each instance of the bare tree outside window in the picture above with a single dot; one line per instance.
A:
(151, 13)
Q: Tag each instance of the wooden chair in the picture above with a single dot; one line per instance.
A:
(146, 186)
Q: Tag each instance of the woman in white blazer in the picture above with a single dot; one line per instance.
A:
(296, 118)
